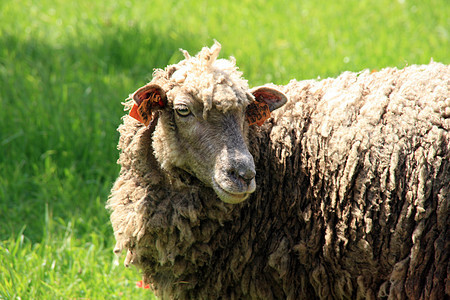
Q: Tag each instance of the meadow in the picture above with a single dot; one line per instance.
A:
(66, 66)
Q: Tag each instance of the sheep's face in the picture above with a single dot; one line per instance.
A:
(203, 123)
(209, 144)
(214, 148)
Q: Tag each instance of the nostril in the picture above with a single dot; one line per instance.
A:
(247, 175)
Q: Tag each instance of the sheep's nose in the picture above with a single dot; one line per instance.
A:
(244, 173)
(247, 174)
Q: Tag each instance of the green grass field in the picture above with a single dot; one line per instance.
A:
(65, 67)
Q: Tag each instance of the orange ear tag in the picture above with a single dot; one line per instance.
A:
(257, 113)
(143, 112)
(134, 113)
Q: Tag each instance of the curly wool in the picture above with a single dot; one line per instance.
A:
(206, 78)
(353, 193)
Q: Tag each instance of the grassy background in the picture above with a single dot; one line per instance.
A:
(65, 66)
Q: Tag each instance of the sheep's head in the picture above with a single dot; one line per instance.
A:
(205, 109)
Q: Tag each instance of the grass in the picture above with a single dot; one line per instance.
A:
(65, 66)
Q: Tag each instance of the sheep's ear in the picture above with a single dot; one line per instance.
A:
(147, 99)
(266, 100)
(272, 97)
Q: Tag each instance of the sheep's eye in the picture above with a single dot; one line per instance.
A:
(183, 111)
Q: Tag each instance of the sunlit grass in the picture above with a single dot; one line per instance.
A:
(65, 66)
(61, 266)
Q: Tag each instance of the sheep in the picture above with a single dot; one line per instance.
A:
(342, 193)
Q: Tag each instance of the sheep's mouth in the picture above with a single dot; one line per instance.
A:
(229, 197)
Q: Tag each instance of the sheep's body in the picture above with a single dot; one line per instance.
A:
(352, 199)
